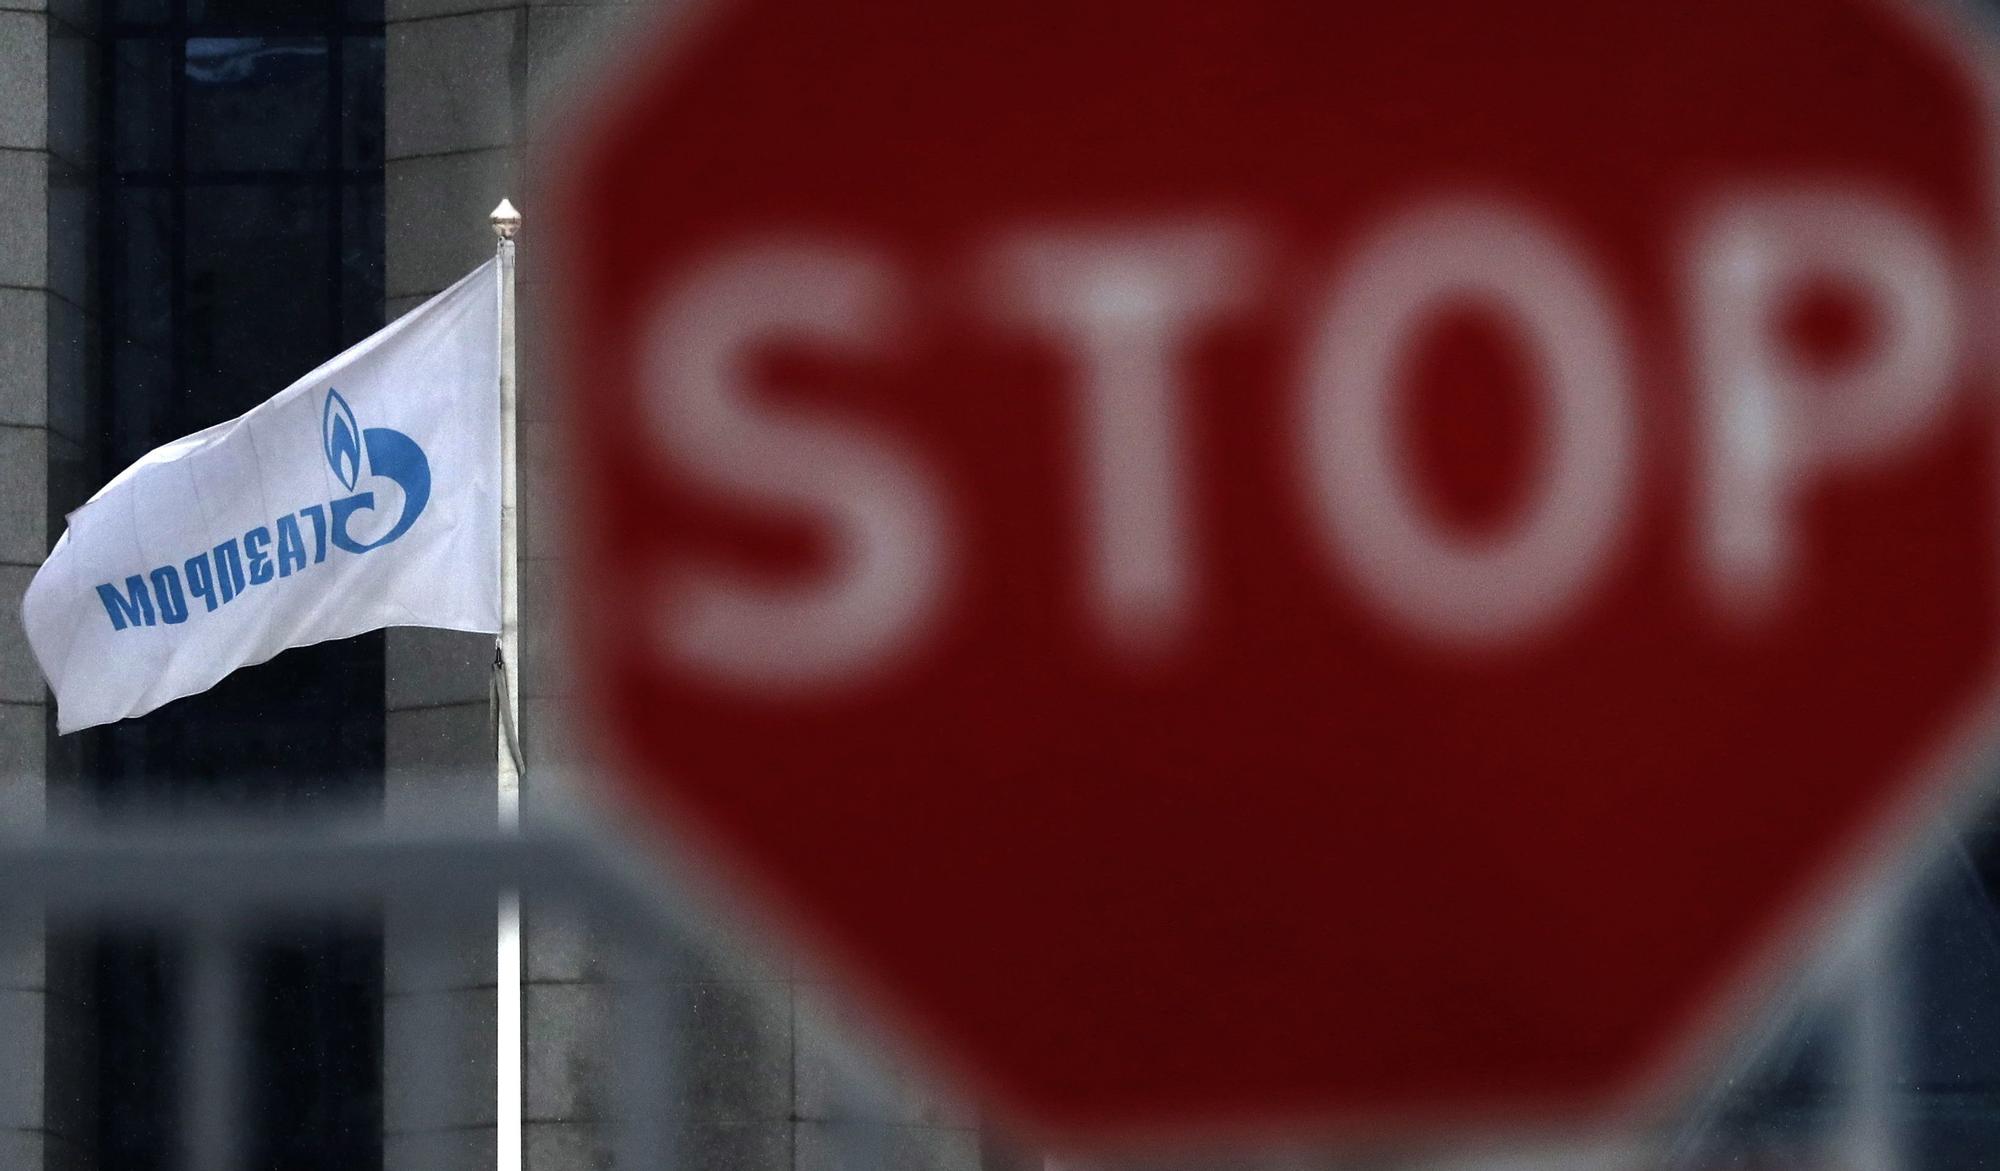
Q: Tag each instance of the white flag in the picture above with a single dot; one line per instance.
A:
(364, 495)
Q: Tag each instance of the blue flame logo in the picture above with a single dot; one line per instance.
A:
(342, 437)
(391, 456)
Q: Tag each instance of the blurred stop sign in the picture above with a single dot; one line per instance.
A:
(1350, 562)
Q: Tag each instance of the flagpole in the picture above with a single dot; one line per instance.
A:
(507, 1137)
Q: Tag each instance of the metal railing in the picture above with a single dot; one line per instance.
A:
(212, 882)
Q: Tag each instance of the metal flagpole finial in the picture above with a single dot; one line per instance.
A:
(506, 221)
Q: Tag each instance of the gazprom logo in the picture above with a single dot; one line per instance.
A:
(391, 456)
(342, 437)
(364, 462)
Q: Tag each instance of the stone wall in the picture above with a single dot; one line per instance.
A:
(47, 319)
(475, 93)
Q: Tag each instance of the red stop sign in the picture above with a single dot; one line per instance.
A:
(1346, 561)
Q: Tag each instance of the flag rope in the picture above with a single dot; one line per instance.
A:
(503, 711)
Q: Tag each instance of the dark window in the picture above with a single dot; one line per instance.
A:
(241, 245)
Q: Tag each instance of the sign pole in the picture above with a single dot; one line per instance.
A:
(507, 1031)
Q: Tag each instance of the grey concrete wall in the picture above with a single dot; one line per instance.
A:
(46, 322)
(449, 161)
(472, 85)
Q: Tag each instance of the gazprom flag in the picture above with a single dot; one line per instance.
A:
(366, 494)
